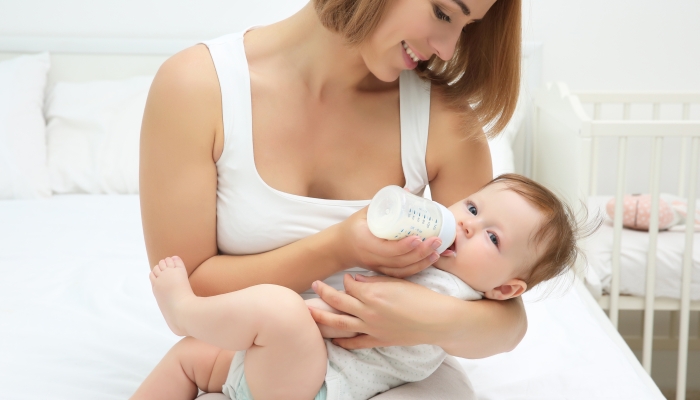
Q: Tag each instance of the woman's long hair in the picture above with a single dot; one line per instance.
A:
(484, 72)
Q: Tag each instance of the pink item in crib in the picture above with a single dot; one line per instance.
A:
(637, 212)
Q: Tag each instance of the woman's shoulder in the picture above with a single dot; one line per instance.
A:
(454, 130)
(184, 102)
(458, 153)
(190, 72)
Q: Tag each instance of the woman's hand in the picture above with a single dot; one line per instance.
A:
(397, 258)
(388, 312)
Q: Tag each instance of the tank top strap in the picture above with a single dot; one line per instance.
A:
(415, 118)
(231, 64)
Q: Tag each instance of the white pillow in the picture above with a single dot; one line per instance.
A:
(23, 172)
(93, 135)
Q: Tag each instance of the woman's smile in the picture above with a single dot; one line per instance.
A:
(409, 57)
(410, 52)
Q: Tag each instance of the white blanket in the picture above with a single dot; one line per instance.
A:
(78, 320)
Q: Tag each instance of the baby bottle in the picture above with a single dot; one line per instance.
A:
(394, 214)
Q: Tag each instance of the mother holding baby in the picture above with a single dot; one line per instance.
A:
(260, 151)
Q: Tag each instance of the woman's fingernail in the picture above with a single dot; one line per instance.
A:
(434, 257)
(415, 243)
(314, 285)
(360, 278)
(436, 244)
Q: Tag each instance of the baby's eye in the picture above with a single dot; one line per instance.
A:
(471, 208)
(493, 238)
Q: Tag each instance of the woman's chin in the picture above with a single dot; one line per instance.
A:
(386, 74)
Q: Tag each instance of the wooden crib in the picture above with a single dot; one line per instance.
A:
(573, 150)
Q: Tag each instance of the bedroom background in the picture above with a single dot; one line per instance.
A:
(627, 45)
(590, 45)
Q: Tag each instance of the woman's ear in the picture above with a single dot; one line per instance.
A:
(510, 289)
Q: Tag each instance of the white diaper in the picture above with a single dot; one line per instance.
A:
(232, 386)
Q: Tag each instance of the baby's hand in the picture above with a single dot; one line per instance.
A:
(327, 331)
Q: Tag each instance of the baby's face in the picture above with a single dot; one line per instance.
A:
(493, 246)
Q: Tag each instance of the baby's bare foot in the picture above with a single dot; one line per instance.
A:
(172, 290)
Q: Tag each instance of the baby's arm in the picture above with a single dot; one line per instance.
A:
(326, 331)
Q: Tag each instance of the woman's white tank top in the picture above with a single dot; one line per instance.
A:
(252, 217)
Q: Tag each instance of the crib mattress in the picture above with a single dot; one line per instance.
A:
(78, 320)
(633, 259)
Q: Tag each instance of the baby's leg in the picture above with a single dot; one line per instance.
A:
(190, 365)
(286, 355)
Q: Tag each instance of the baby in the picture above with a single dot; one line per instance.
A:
(511, 235)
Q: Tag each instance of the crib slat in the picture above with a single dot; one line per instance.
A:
(638, 97)
(676, 128)
(684, 150)
(593, 180)
(686, 275)
(648, 335)
(617, 229)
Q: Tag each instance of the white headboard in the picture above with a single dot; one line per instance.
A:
(81, 59)
(86, 59)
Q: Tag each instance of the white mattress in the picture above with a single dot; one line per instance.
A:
(78, 321)
(633, 260)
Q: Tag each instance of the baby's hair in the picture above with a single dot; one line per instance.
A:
(559, 231)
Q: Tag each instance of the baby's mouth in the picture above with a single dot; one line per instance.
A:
(450, 251)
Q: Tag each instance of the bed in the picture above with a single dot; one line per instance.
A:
(77, 317)
(78, 320)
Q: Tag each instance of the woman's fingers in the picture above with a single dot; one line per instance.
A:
(374, 278)
(338, 300)
(408, 270)
(402, 253)
(359, 342)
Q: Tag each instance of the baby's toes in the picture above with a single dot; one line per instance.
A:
(169, 262)
(178, 262)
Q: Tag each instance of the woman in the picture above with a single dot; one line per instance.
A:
(259, 152)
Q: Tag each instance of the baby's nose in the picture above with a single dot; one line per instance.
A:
(468, 227)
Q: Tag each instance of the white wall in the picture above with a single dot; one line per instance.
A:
(591, 44)
(616, 44)
(151, 19)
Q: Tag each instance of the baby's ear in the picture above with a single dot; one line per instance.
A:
(510, 289)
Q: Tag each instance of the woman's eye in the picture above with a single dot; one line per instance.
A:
(471, 209)
(493, 238)
(441, 15)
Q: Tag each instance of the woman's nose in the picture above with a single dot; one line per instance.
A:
(445, 44)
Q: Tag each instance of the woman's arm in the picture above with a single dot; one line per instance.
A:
(396, 312)
(181, 139)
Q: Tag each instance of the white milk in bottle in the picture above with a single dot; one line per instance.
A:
(394, 214)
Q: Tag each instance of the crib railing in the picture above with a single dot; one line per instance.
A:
(657, 130)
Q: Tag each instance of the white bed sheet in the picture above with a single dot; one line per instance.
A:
(78, 321)
(633, 259)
